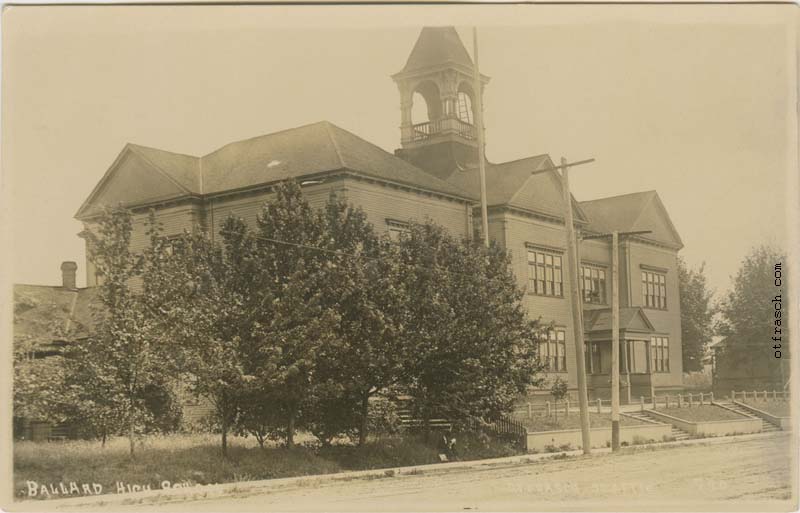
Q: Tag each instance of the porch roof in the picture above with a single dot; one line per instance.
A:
(631, 320)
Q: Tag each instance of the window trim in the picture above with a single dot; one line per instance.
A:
(582, 282)
(557, 362)
(552, 280)
(659, 355)
(654, 291)
(397, 226)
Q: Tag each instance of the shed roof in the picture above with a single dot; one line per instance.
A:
(46, 314)
(630, 319)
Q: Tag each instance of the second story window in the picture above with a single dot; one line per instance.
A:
(654, 290)
(594, 285)
(544, 274)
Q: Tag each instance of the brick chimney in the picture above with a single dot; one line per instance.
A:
(68, 272)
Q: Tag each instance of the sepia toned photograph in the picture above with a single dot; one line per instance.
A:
(399, 257)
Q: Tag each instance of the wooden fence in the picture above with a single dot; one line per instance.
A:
(764, 395)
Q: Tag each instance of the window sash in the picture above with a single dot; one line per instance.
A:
(553, 351)
(654, 290)
(545, 277)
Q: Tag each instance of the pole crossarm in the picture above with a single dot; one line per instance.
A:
(606, 235)
(562, 166)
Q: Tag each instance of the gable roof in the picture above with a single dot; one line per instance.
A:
(633, 212)
(630, 319)
(513, 184)
(436, 46)
(307, 150)
(45, 313)
(184, 169)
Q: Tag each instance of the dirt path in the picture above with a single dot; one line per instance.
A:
(677, 478)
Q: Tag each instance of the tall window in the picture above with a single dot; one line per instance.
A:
(544, 274)
(553, 351)
(594, 361)
(659, 354)
(594, 285)
(654, 290)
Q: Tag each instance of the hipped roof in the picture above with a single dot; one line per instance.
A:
(306, 150)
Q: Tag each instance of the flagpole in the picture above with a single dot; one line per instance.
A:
(478, 87)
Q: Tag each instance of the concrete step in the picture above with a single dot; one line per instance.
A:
(766, 426)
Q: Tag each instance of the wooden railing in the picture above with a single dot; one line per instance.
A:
(422, 131)
(775, 395)
(503, 426)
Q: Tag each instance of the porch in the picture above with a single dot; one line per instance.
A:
(636, 363)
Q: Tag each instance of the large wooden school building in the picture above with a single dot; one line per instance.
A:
(434, 174)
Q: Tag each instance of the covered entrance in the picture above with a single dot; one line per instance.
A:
(635, 332)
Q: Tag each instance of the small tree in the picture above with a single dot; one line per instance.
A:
(201, 296)
(559, 392)
(112, 370)
(696, 315)
(295, 324)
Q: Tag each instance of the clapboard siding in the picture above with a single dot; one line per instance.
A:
(666, 322)
(248, 206)
(521, 231)
(174, 220)
(381, 202)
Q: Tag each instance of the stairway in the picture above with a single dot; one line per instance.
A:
(676, 433)
(766, 426)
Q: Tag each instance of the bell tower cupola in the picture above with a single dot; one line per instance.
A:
(437, 127)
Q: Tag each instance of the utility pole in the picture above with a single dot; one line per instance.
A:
(615, 341)
(478, 88)
(575, 296)
(615, 333)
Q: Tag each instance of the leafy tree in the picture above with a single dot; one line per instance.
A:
(112, 370)
(750, 321)
(200, 292)
(296, 326)
(697, 314)
(38, 383)
(363, 285)
(471, 349)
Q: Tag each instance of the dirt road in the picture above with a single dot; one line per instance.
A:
(675, 478)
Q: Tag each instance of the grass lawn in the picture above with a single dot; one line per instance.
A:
(544, 423)
(196, 459)
(701, 413)
(777, 408)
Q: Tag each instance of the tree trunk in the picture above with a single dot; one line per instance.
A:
(103, 439)
(290, 430)
(130, 432)
(362, 432)
(224, 436)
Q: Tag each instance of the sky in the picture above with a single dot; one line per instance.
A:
(693, 101)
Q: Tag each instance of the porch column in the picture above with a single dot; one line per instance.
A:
(627, 346)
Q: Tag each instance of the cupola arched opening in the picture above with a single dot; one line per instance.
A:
(426, 104)
(465, 110)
